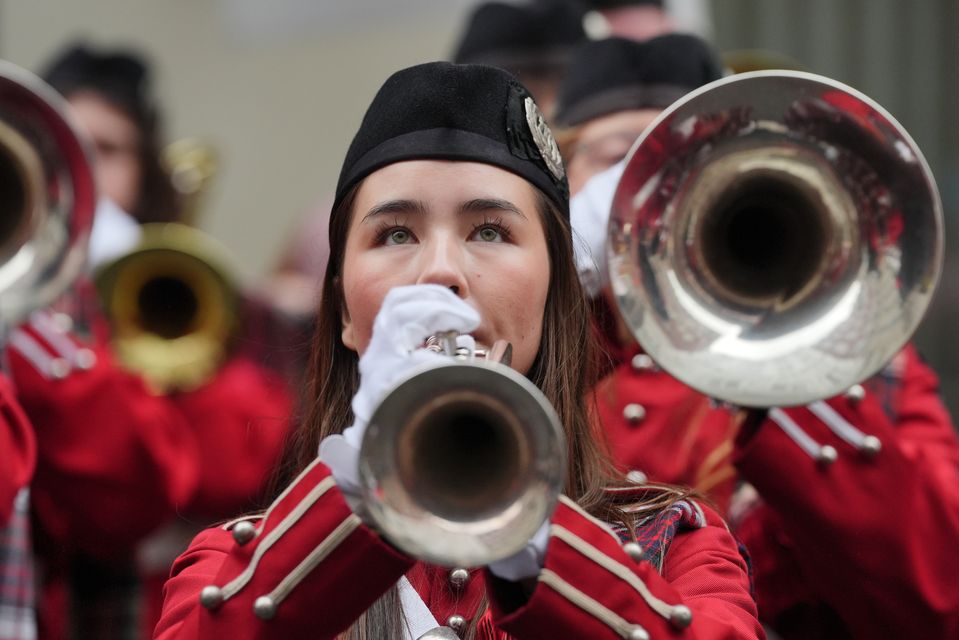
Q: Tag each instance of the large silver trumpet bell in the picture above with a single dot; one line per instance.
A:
(776, 237)
(47, 195)
(462, 462)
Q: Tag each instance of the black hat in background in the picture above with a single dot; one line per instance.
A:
(617, 74)
(444, 111)
(120, 77)
(521, 37)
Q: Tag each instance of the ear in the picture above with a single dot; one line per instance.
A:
(347, 335)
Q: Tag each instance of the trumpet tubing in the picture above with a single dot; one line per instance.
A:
(192, 164)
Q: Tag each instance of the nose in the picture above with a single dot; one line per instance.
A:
(442, 264)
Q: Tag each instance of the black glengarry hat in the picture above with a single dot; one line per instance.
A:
(617, 74)
(444, 111)
(519, 37)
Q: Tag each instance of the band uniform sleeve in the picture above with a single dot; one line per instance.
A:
(592, 586)
(239, 420)
(113, 460)
(17, 450)
(307, 569)
(875, 534)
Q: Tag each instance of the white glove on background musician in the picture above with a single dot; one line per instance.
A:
(589, 215)
(408, 316)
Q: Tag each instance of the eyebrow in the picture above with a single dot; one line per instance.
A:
(485, 204)
(395, 206)
(418, 207)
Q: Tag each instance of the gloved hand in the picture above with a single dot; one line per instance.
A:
(527, 562)
(589, 215)
(115, 233)
(408, 316)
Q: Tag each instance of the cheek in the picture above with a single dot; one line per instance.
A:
(518, 298)
(536, 290)
(527, 330)
(527, 302)
(361, 305)
(534, 302)
(364, 288)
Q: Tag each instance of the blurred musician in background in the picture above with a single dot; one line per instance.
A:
(123, 475)
(858, 548)
(531, 40)
(112, 461)
(111, 94)
(615, 87)
(632, 19)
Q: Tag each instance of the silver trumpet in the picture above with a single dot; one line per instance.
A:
(47, 196)
(776, 238)
(463, 460)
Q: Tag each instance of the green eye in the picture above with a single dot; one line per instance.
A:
(399, 236)
(489, 234)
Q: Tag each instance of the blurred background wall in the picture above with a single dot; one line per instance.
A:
(279, 88)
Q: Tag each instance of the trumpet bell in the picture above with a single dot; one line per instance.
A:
(47, 195)
(776, 237)
(172, 306)
(462, 463)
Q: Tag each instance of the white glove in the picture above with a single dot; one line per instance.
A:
(528, 561)
(115, 233)
(408, 316)
(589, 215)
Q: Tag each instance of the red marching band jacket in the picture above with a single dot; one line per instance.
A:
(309, 567)
(113, 460)
(862, 546)
(18, 449)
(17, 460)
(116, 463)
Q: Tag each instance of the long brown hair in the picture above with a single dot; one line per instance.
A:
(563, 369)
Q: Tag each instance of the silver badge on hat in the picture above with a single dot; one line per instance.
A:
(544, 140)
